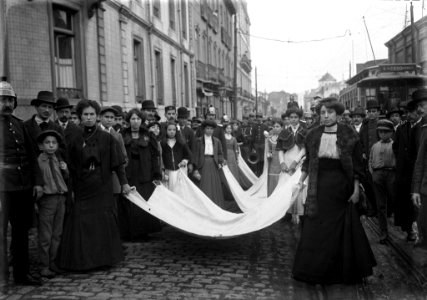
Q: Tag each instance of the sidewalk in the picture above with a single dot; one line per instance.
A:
(414, 256)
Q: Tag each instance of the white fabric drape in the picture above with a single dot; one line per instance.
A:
(191, 211)
(187, 208)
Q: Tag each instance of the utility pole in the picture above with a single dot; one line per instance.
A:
(369, 38)
(413, 44)
(256, 92)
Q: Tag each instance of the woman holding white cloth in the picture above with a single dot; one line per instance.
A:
(291, 149)
(176, 155)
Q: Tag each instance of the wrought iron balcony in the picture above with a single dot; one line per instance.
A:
(69, 93)
(246, 63)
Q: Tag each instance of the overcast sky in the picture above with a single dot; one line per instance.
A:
(296, 67)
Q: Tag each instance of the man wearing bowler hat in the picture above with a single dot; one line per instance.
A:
(420, 101)
(419, 150)
(150, 109)
(186, 132)
(63, 111)
(44, 104)
(20, 184)
(357, 117)
(404, 214)
(395, 115)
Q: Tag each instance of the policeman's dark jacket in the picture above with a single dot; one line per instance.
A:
(18, 156)
(286, 139)
(173, 156)
(258, 133)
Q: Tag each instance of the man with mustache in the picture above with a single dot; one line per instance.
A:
(41, 121)
(20, 184)
(63, 111)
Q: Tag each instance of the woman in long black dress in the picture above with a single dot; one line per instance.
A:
(143, 168)
(333, 246)
(91, 236)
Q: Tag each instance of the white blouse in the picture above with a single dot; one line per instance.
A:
(328, 146)
(208, 145)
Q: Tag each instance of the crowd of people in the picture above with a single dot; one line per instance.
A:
(72, 174)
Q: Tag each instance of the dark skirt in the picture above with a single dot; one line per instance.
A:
(210, 182)
(91, 237)
(333, 246)
(134, 222)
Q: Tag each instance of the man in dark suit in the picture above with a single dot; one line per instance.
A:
(258, 140)
(41, 121)
(63, 111)
(186, 132)
(368, 137)
(404, 213)
(20, 184)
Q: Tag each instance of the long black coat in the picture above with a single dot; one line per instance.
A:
(149, 156)
(403, 208)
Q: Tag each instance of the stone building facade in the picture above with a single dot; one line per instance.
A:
(118, 52)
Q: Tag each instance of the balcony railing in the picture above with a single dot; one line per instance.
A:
(246, 63)
(226, 38)
(200, 70)
(212, 73)
(69, 93)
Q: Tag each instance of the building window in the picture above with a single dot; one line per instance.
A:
(186, 86)
(156, 8)
(65, 57)
(138, 70)
(197, 38)
(184, 18)
(172, 14)
(159, 76)
(173, 80)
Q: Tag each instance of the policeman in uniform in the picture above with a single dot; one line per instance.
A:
(258, 140)
(246, 129)
(20, 184)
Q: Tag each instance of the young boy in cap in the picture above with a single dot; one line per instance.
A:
(51, 206)
(382, 165)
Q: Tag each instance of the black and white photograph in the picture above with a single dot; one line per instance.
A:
(213, 149)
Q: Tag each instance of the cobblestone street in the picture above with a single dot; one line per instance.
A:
(173, 265)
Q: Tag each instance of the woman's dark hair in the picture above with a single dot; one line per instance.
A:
(228, 124)
(135, 111)
(294, 110)
(331, 103)
(83, 104)
(178, 136)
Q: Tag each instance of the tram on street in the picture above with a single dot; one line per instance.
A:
(390, 84)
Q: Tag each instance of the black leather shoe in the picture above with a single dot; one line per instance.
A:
(28, 280)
